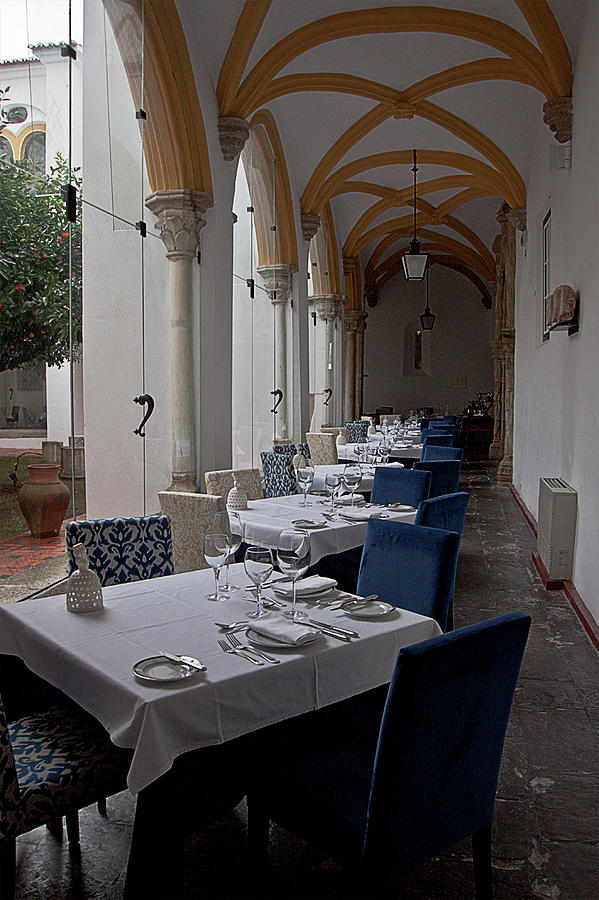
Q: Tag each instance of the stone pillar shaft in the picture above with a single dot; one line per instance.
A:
(359, 394)
(278, 281)
(349, 382)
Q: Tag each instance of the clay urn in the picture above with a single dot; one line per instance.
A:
(43, 500)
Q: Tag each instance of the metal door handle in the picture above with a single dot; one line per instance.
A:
(142, 400)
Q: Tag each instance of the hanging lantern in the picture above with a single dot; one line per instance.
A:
(414, 262)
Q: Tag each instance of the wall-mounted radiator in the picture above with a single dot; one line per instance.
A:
(557, 527)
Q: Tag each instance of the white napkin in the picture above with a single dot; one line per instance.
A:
(273, 625)
(361, 515)
(315, 584)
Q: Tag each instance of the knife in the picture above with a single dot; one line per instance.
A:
(353, 634)
(187, 660)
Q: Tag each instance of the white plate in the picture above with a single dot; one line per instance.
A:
(314, 595)
(261, 640)
(160, 669)
(372, 610)
(308, 523)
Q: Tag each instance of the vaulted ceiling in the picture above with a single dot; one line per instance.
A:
(354, 87)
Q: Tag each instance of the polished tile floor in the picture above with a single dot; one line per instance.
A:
(546, 837)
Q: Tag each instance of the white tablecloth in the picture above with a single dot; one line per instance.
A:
(89, 657)
(410, 451)
(320, 473)
(264, 520)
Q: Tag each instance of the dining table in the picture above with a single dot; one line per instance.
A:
(91, 659)
(404, 451)
(365, 486)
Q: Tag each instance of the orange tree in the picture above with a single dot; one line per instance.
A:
(36, 267)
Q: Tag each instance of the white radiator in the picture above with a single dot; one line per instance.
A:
(557, 526)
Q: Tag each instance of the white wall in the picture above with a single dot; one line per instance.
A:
(460, 344)
(556, 400)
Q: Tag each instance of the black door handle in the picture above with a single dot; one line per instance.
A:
(279, 395)
(142, 400)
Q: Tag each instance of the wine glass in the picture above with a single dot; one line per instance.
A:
(352, 476)
(258, 564)
(331, 483)
(293, 557)
(216, 551)
(305, 477)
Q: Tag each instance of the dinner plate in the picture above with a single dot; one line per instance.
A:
(401, 507)
(372, 610)
(309, 523)
(160, 669)
(314, 595)
(260, 640)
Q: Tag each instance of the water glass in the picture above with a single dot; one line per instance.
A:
(352, 476)
(305, 477)
(293, 557)
(331, 483)
(216, 551)
(258, 564)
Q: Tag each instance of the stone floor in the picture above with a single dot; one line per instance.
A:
(546, 835)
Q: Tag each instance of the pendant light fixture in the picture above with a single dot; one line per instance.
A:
(414, 262)
(427, 319)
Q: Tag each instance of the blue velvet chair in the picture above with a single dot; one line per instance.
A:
(279, 474)
(447, 512)
(394, 485)
(410, 566)
(384, 801)
(445, 475)
(431, 451)
(439, 440)
(123, 550)
(357, 432)
(449, 420)
(442, 428)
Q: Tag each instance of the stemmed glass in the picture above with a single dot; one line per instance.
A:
(258, 564)
(305, 477)
(331, 483)
(216, 551)
(293, 557)
(352, 476)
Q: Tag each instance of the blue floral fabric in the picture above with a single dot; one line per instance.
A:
(279, 474)
(357, 432)
(124, 550)
(301, 447)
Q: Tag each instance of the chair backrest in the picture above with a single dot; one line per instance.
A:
(431, 451)
(220, 482)
(445, 475)
(123, 550)
(357, 432)
(323, 448)
(410, 566)
(394, 485)
(11, 815)
(447, 512)
(439, 440)
(449, 420)
(191, 517)
(279, 474)
(441, 741)
(301, 447)
(441, 427)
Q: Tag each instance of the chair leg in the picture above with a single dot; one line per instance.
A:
(258, 833)
(73, 827)
(483, 866)
(8, 867)
(102, 807)
(54, 826)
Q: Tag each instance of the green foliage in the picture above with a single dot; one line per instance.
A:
(34, 267)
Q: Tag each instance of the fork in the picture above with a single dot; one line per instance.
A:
(237, 645)
(228, 649)
(243, 623)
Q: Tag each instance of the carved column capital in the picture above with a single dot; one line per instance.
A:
(355, 321)
(310, 225)
(278, 281)
(517, 218)
(503, 213)
(180, 219)
(371, 294)
(558, 115)
(328, 306)
(233, 132)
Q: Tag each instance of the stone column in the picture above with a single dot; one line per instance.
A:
(180, 220)
(278, 281)
(349, 368)
(328, 308)
(496, 447)
(359, 393)
(508, 256)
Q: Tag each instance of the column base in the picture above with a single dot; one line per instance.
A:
(184, 482)
(504, 469)
(495, 450)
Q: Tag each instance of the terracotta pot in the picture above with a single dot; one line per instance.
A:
(43, 500)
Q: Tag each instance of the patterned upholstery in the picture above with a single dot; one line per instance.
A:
(54, 763)
(301, 447)
(191, 518)
(279, 474)
(221, 481)
(323, 448)
(123, 550)
(357, 432)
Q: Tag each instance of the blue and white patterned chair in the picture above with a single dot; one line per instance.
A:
(279, 474)
(123, 550)
(52, 764)
(301, 447)
(357, 432)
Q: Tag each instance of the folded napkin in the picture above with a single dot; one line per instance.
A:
(273, 625)
(361, 515)
(314, 584)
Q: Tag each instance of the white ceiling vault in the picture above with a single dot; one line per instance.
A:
(471, 130)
